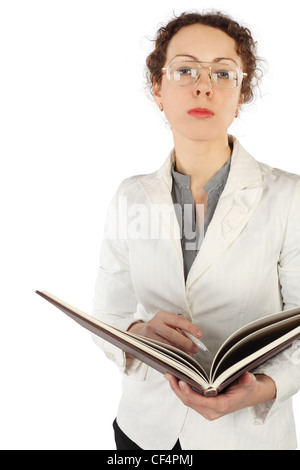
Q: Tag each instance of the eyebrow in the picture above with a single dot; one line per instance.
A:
(217, 59)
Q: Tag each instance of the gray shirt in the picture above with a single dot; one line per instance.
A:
(193, 225)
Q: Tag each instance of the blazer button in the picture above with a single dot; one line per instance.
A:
(110, 355)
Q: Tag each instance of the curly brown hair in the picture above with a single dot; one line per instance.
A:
(246, 47)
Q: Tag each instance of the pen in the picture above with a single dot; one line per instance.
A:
(196, 341)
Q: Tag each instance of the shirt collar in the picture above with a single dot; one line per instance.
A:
(219, 179)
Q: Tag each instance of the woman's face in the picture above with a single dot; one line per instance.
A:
(205, 44)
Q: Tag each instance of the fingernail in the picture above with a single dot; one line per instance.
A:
(182, 385)
(167, 376)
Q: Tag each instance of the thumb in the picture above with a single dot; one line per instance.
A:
(247, 379)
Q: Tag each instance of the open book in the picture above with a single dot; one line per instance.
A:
(243, 351)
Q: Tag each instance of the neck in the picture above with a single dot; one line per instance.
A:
(200, 160)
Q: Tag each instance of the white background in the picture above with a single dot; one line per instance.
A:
(69, 134)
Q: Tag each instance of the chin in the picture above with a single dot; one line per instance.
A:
(201, 135)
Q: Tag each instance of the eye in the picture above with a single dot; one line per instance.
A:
(224, 74)
(184, 71)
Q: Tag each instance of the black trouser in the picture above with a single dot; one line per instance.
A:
(124, 443)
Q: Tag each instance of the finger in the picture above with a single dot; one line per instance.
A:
(178, 321)
(167, 326)
(181, 388)
(161, 338)
(174, 385)
(186, 394)
(176, 325)
(174, 320)
(178, 339)
(247, 379)
(162, 329)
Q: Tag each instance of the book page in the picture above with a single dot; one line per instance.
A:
(256, 344)
(172, 351)
(160, 355)
(167, 354)
(251, 328)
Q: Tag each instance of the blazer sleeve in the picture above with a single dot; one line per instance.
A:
(114, 301)
(284, 368)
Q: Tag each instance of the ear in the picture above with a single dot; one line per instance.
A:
(157, 93)
(241, 100)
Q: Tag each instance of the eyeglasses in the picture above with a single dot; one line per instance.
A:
(186, 72)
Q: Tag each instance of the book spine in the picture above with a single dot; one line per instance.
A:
(211, 392)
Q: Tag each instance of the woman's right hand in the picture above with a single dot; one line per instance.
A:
(165, 327)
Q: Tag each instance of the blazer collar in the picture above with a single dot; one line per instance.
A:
(236, 205)
(244, 171)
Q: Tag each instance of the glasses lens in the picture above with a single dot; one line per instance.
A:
(186, 72)
(225, 76)
(183, 73)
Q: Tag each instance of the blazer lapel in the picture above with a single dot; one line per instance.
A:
(236, 206)
(157, 186)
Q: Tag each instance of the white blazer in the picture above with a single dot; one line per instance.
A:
(248, 266)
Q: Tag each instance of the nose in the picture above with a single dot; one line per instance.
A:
(203, 84)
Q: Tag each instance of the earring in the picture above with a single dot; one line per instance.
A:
(168, 125)
(236, 114)
(161, 106)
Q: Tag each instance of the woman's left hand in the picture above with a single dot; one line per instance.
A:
(246, 391)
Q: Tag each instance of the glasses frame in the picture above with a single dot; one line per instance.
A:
(240, 72)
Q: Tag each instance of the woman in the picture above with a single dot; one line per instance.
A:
(231, 259)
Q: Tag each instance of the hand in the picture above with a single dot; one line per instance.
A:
(246, 391)
(165, 327)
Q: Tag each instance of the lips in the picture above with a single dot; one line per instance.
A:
(201, 112)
